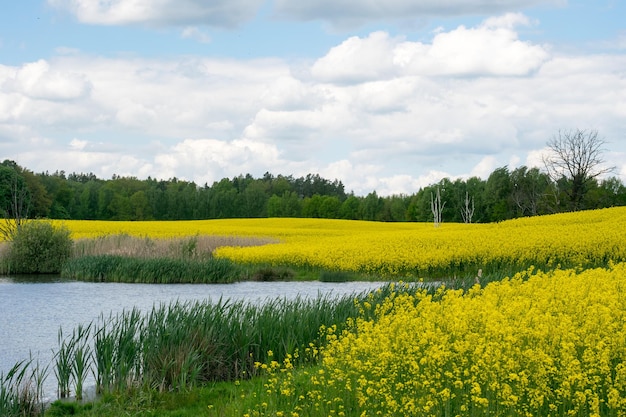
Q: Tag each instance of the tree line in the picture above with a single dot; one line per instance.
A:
(505, 194)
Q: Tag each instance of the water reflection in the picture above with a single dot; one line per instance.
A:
(32, 279)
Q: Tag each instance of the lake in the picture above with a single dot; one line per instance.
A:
(32, 311)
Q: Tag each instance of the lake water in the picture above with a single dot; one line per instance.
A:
(31, 311)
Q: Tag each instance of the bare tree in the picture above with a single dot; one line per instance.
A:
(467, 211)
(436, 207)
(574, 160)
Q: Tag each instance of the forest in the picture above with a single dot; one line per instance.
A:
(505, 194)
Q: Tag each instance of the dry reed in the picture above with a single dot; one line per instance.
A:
(195, 247)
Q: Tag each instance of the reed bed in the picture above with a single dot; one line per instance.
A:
(117, 268)
(181, 345)
(21, 392)
(133, 259)
(199, 247)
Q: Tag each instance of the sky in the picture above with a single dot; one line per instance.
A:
(383, 95)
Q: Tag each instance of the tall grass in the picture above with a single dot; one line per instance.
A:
(21, 389)
(198, 247)
(181, 345)
(117, 268)
(63, 365)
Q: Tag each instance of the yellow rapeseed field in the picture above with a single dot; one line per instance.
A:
(582, 239)
(539, 344)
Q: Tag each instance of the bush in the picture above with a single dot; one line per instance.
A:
(39, 248)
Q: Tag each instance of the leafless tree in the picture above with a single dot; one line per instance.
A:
(436, 207)
(467, 211)
(575, 158)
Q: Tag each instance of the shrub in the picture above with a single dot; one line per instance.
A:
(39, 248)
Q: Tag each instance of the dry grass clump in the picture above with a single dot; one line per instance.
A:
(196, 247)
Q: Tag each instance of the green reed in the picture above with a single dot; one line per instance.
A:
(81, 360)
(63, 365)
(21, 389)
(182, 345)
(118, 268)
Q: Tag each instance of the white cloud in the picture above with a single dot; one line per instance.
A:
(39, 81)
(493, 48)
(358, 59)
(78, 144)
(208, 160)
(484, 167)
(219, 13)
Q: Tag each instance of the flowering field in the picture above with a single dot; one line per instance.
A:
(546, 344)
(581, 239)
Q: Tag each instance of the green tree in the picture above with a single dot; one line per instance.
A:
(497, 195)
(311, 206)
(14, 199)
(372, 206)
(530, 189)
(350, 208)
(329, 207)
(140, 206)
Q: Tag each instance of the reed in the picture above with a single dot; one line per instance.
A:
(193, 247)
(21, 389)
(181, 345)
(63, 365)
(118, 268)
(103, 357)
(81, 358)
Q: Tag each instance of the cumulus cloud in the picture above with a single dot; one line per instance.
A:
(38, 80)
(493, 48)
(218, 13)
(208, 158)
(353, 12)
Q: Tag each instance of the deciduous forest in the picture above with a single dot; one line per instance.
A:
(505, 194)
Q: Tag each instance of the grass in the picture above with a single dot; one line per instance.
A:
(214, 399)
(21, 389)
(117, 268)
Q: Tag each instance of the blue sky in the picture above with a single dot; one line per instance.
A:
(385, 95)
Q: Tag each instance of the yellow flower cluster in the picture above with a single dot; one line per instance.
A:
(579, 239)
(545, 344)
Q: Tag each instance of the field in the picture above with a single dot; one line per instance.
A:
(547, 344)
(550, 340)
(403, 250)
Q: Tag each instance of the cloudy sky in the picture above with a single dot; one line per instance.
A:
(385, 95)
